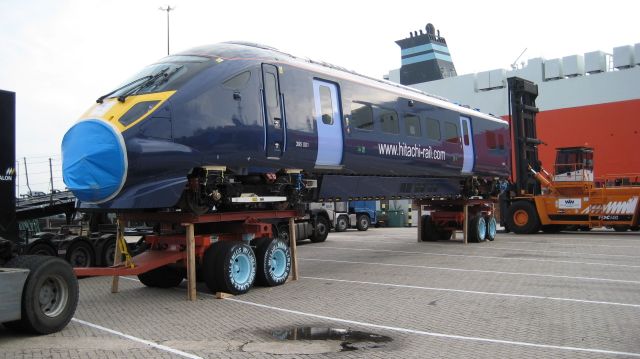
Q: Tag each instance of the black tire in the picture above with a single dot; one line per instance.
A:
(444, 235)
(621, 228)
(584, 228)
(80, 254)
(342, 223)
(208, 268)
(273, 258)
(321, 230)
(363, 222)
(283, 233)
(492, 226)
(108, 252)
(162, 277)
(42, 249)
(429, 230)
(522, 218)
(235, 268)
(553, 228)
(634, 228)
(49, 296)
(191, 202)
(477, 229)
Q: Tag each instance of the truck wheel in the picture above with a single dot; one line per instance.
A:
(80, 255)
(273, 262)
(342, 223)
(429, 232)
(283, 233)
(109, 252)
(42, 249)
(635, 228)
(321, 231)
(208, 267)
(522, 218)
(621, 228)
(477, 230)
(49, 296)
(162, 277)
(235, 267)
(492, 226)
(363, 222)
(553, 228)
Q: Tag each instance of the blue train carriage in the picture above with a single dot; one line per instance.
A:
(218, 126)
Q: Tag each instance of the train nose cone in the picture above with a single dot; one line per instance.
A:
(94, 161)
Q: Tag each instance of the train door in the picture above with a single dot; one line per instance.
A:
(274, 121)
(328, 118)
(467, 145)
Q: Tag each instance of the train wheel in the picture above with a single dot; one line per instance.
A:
(477, 230)
(235, 268)
(522, 218)
(50, 294)
(492, 226)
(274, 262)
(321, 230)
(80, 254)
(191, 202)
(342, 223)
(363, 222)
(162, 277)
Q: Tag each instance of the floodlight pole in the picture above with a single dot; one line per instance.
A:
(167, 9)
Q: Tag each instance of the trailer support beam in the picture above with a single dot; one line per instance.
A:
(191, 262)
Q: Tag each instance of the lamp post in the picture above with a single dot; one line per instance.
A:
(167, 9)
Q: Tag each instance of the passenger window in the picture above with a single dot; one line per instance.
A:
(389, 121)
(271, 90)
(490, 137)
(451, 132)
(326, 105)
(412, 125)
(433, 129)
(361, 116)
(238, 81)
(465, 133)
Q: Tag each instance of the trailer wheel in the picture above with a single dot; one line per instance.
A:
(80, 254)
(491, 227)
(109, 252)
(273, 262)
(444, 235)
(477, 229)
(363, 222)
(635, 228)
(283, 232)
(429, 230)
(522, 218)
(162, 277)
(49, 296)
(208, 269)
(342, 223)
(235, 267)
(42, 249)
(321, 230)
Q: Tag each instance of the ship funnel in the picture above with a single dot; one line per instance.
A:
(425, 57)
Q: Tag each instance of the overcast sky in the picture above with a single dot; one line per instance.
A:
(59, 56)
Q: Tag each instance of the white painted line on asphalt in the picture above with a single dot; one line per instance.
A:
(571, 244)
(483, 257)
(526, 296)
(512, 249)
(437, 335)
(477, 271)
(136, 339)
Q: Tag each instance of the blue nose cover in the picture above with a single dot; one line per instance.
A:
(94, 161)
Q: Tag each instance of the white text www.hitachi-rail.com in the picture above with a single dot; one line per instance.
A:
(415, 151)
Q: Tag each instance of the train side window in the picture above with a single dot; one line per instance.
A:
(490, 137)
(389, 121)
(361, 116)
(433, 129)
(326, 106)
(451, 133)
(271, 89)
(412, 125)
(239, 81)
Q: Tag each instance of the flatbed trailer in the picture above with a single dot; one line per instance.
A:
(228, 251)
(475, 217)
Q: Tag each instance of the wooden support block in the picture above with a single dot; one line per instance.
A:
(223, 295)
(191, 262)
(420, 229)
(293, 247)
(117, 256)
